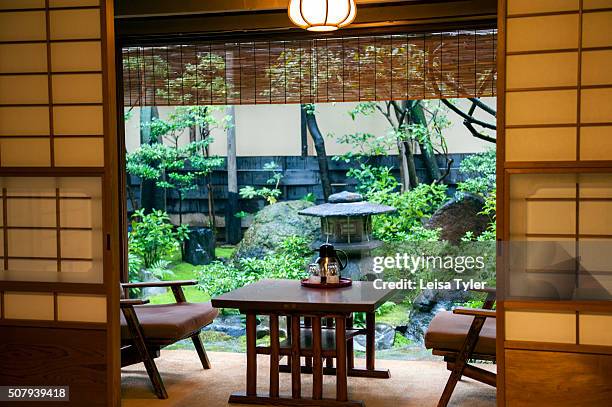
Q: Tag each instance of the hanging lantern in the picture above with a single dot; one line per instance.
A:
(322, 15)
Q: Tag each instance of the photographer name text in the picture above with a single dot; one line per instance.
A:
(409, 284)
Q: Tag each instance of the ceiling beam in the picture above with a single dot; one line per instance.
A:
(410, 15)
(150, 8)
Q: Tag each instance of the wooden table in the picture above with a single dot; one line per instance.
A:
(327, 333)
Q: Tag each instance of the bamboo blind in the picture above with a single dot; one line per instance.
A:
(385, 67)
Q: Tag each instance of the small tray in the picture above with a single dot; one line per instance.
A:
(344, 282)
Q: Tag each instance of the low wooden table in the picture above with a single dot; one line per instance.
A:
(318, 339)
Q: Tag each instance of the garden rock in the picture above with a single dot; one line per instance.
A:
(148, 277)
(231, 325)
(459, 216)
(200, 247)
(272, 225)
(385, 335)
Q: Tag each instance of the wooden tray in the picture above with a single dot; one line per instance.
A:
(344, 282)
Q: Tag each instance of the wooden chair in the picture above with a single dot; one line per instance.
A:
(146, 329)
(462, 335)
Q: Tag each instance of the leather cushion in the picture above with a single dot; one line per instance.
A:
(447, 331)
(171, 321)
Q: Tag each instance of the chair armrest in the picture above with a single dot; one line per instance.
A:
(126, 303)
(475, 312)
(177, 283)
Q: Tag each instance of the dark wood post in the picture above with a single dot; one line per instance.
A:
(274, 355)
(296, 383)
(329, 323)
(350, 353)
(341, 373)
(251, 343)
(370, 341)
(317, 368)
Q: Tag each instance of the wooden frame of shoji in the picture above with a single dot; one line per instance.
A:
(58, 121)
(551, 69)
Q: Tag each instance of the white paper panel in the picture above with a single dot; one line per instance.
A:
(77, 88)
(18, 121)
(527, 34)
(75, 24)
(595, 67)
(37, 306)
(78, 120)
(24, 89)
(23, 26)
(21, 4)
(541, 107)
(24, 153)
(15, 58)
(533, 70)
(81, 308)
(596, 30)
(79, 152)
(540, 326)
(595, 105)
(541, 144)
(76, 56)
(595, 329)
(32, 243)
(31, 212)
(596, 143)
(540, 6)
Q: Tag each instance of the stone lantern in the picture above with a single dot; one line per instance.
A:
(346, 222)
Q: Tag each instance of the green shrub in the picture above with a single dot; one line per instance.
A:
(153, 237)
(412, 207)
(480, 172)
(288, 262)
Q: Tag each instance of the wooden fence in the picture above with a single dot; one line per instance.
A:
(300, 177)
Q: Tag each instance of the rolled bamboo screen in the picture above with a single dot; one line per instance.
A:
(385, 67)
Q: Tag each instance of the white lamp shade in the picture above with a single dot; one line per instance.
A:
(322, 15)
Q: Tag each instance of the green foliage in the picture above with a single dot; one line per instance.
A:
(269, 194)
(135, 264)
(412, 208)
(480, 170)
(170, 165)
(385, 308)
(288, 262)
(241, 214)
(400, 341)
(153, 237)
(309, 197)
(372, 179)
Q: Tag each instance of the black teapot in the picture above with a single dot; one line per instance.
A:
(328, 260)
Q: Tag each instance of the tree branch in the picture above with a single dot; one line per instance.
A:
(467, 117)
(484, 106)
(477, 134)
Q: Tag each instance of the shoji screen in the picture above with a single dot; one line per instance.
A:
(556, 171)
(57, 197)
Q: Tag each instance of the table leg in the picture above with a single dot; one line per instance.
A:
(341, 373)
(350, 353)
(287, 367)
(251, 343)
(308, 324)
(274, 355)
(370, 341)
(317, 368)
(296, 371)
(329, 323)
